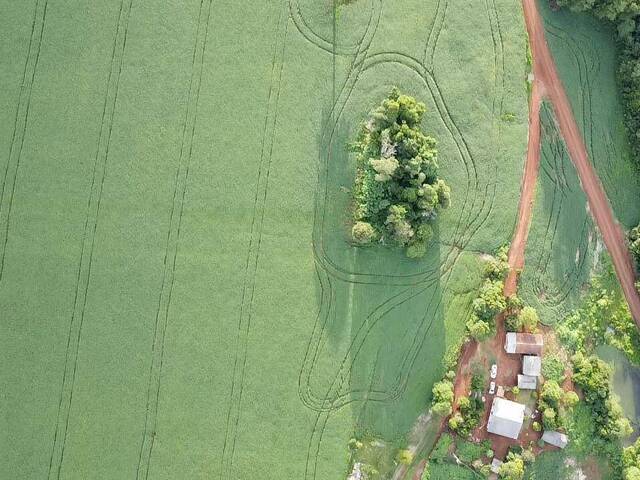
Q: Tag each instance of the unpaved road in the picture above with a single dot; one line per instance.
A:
(548, 81)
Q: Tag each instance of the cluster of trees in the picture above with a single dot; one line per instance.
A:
(625, 16)
(467, 417)
(512, 468)
(554, 403)
(593, 376)
(397, 191)
(490, 300)
(603, 319)
(442, 401)
(631, 462)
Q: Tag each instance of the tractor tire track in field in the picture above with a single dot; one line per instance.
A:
(88, 241)
(21, 120)
(172, 242)
(253, 254)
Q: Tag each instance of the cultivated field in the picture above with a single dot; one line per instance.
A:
(562, 238)
(585, 54)
(177, 294)
(563, 242)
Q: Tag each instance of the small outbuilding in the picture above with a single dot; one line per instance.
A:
(527, 382)
(556, 439)
(531, 365)
(506, 418)
(524, 343)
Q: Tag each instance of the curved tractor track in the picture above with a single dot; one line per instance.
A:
(547, 81)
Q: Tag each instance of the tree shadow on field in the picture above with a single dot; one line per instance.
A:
(399, 342)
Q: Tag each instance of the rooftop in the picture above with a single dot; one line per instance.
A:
(556, 439)
(531, 365)
(525, 343)
(527, 382)
(506, 418)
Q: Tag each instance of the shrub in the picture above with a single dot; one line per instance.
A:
(363, 233)
(512, 468)
(553, 369)
(528, 319)
(404, 457)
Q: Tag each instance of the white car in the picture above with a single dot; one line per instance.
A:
(492, 388)
(494, 370)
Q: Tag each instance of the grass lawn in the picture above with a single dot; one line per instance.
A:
(177, 295)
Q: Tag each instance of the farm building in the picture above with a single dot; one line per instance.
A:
(531, 365)
(524, 343)
(506, 418)
(556, 439)
(527, 382)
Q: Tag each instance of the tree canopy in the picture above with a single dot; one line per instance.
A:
(397, 190)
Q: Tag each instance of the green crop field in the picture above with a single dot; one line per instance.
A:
(562, 242)
(585, 54)
(178, 296)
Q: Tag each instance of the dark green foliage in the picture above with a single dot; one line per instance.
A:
(397, 190)
(553, 368)
(634, 234)
(468, 415)
(441, 450)
(603, 319)
(593, 376)
(469, 451)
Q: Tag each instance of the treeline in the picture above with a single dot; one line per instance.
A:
(625, 17)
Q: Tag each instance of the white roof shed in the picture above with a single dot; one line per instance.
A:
(531, 365)
(506, 418)
(556, 439)
(527, 382)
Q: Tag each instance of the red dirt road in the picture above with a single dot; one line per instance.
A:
(548, 80)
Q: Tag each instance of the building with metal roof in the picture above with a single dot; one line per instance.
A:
(506, 418)
(524, 343)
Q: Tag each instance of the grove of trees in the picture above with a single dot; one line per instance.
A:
(397, 190)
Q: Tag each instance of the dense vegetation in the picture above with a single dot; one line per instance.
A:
(490, 300)
(397, 191)
(604, 318)
(467, 417)
(554, 404)
(634, 243)
(625, 16)
(593, 376)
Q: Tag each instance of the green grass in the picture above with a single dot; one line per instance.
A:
(177, 297)
(585, 53)
(562, 238)
(449, 471)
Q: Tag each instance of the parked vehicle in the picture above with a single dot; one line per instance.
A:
(494, 370)
(492, 388)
